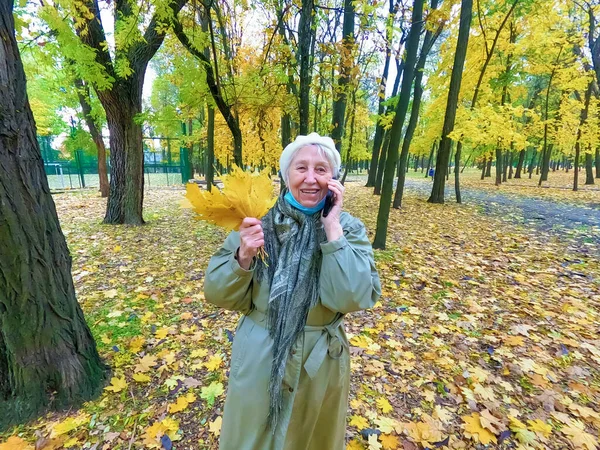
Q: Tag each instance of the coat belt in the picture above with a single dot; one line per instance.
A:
(329, 343)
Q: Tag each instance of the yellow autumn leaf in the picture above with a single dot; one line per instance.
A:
(514, 341)
(162, 333)
(359, 422)
(135, 345)
(180, 405)
(389, 442)
(15, 443)
(384, 405)
(580, 439)
(243, 195)
(215, 426)
(540, 427)
(199, 353)
(475, 431)
(186, 315)
(116, 384)
(69, 424)
(355, 444)
(141, 378)
(214, 363)
(146, 363)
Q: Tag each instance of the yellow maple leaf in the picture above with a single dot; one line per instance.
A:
(152, 435)
(386, 425)
(424, 433)
(15, 443)
(186, 315)
(141, 378)
(514, 341)
(540, 427)
(69, 424)
(490, 422)
(146, 363)
(213, 363)
(116, 384)
(135, 345)
(389, 442)
(384, 405)
(162, 333)
(355, 444)
(215, 426)
(523, 435)
(180, 405)
(579, 437)
(475, 431)
(200, 353)
(442, 414)
(359, 422)
(243, 195)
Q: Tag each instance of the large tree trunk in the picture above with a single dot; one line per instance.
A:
(48, 357)
(589, 168)
(437, 191)
(346, 63)
(210, 149)
(597, 163)
(412, 47)
(126, 154)
(83, 93)
(382, 161)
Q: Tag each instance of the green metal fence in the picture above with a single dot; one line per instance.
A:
(163, 166)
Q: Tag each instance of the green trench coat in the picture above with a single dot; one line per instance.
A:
(317, 377)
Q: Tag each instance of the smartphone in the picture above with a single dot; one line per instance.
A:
(329, 199)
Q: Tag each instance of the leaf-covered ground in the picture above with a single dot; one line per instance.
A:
(487, 333)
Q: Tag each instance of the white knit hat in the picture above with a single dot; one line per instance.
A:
(324, 142)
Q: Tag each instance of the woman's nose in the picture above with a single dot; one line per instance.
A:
(310, 176)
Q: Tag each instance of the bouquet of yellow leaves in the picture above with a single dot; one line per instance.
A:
(244, 194)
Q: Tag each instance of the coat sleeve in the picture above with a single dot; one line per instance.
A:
(349, 280)
(226, 283)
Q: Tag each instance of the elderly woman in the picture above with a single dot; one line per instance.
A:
(290, 366)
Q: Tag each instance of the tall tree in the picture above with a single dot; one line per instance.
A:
(118, 81)
(412, 47)
(305, 44)
(48, 357)
(437, 191)
(346, 64)
(430, 37)
(379, 131)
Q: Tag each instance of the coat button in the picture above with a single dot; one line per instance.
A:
(293, 352)
(291, 389)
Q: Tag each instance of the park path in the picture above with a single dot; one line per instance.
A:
(578, 225)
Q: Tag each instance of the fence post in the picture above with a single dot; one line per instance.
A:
(78, 158)
(184, 163)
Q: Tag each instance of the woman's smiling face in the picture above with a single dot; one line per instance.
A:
(308, 175)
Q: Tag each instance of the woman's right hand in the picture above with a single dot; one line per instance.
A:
(251, 239)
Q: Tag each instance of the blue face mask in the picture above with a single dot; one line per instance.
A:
(309, 211)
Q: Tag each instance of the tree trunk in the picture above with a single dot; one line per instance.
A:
(589, 168)
(83, 93)
(430, 160)
(510, 164)
(576, 165)
(414, 114)
(437, 191)
(379, 131)
(483, 167)
(48, 357)
(396, 130)
(532, 163)
(505, 166)
(597, 162)
(346, 63)
(382, 162)
(498, 165)
(210, 149)
(520, 164)
(305, 39)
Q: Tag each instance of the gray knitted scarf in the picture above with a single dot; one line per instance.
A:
(292, 241)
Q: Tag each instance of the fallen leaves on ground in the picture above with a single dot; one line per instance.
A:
(485, 332)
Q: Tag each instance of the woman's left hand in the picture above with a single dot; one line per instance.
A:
(331, 223)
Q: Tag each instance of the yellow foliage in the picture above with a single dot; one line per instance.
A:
(243, 195)
(15, 443)
(116, 384)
